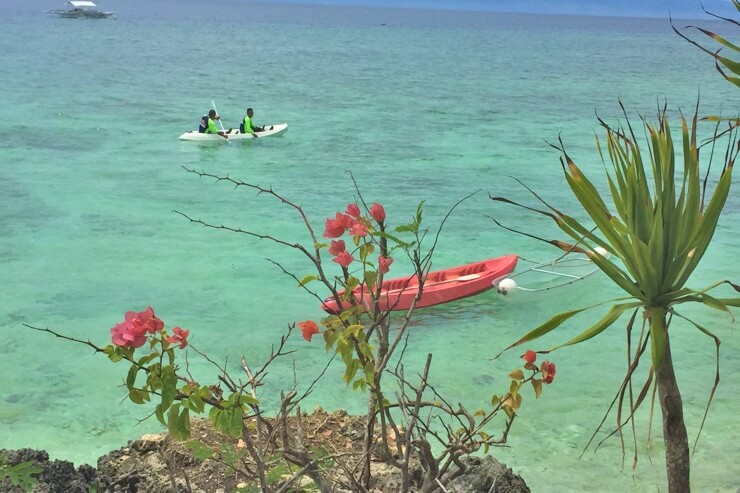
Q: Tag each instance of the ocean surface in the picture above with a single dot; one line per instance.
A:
(418, 105)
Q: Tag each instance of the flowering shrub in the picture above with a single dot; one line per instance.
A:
(178, 395)
(360, 334)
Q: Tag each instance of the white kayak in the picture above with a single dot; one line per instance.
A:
(235, 134)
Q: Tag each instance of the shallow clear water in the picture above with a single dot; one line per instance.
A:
(418, 105)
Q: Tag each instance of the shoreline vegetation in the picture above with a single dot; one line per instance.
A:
(158, 463)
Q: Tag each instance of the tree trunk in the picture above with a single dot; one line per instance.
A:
(674, 429)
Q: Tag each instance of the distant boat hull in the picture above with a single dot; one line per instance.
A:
(82, 14)
(235, 134)
(440, 286)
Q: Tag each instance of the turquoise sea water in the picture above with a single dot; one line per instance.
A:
(418, 105)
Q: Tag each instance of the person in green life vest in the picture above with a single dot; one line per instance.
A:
(247, 127)
(208, 126)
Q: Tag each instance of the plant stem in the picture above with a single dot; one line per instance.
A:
(674, 428)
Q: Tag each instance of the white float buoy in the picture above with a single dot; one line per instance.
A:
(602, 251)
(506, 286)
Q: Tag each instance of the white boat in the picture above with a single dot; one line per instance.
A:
(539, 277)
(82, 9)
(235, 134)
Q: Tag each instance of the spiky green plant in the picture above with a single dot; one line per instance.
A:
(720, 60)
(659, 231)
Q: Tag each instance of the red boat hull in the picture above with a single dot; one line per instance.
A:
(440, 286)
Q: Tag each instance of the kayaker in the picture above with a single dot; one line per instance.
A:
(207, 125)
(247, 127)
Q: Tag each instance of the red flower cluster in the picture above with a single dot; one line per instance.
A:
(530, 356)
(338, 225)
(135, 327)
(377, 212)
(308, 329)
(384, 264)
(547, 368)
(548, 371)
(179, 336)
(352, 221)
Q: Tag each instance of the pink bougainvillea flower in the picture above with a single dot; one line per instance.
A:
(346, 219)
(530, 356)
(334, 228)
(179, 336)
(384, 264)
(358, 229)
(338, 225)
(377, 212)
(123, 335)
(308, 329)
(548, 371)
(136, 325)
(343, 258)
(337, 247)
(150, 321)
(353, 210)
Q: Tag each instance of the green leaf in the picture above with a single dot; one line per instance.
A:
(178, 422)
(537, 386)
(514, 388)
(352, 283)
(131, 377)
(169, 386)
(159, 413)
(517, 375)
(138, 396)
(237, 422)
(145, 360)
(545, 328)
(371, 277)
(366, 249)
(21, 474)
(277, 472)
(229, 421)
(113, 353)
(195, 403)
(393, 239)
(308, 279)
(353, 330)
(352, 366)
(612, 315)
(406, 228)
(247, 399)
(200, 450)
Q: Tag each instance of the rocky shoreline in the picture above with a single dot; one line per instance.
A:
(159, 464)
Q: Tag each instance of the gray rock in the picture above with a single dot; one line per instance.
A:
(58, 476)
(487, 475)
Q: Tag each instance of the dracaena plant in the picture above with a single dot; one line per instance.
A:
(658, 227)
(720, 60)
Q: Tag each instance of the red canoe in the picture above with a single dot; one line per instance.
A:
(440, 287)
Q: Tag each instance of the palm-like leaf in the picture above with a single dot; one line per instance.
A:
(729, 64)
(659, 230)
